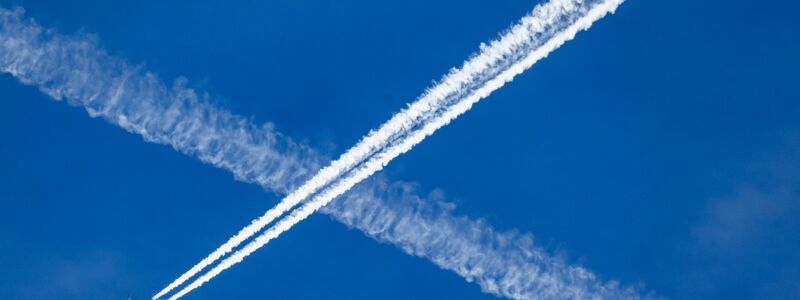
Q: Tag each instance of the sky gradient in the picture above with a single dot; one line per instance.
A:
(660, 148)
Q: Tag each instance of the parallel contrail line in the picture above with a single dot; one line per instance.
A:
(432, 102)
(381, 159)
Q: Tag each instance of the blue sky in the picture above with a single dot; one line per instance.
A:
(660, 147)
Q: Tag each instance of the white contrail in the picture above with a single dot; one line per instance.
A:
(381, 159)
(450, 91)
(76, 69)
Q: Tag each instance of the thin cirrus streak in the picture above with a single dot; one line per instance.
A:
(76, 69)
(453, 89)
(566, 24)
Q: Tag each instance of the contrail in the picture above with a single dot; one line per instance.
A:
(76, 69)
(530, 32)
(572, 22)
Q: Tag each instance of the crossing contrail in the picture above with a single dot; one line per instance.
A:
(479, 75)
(567, 20)
(76, 69)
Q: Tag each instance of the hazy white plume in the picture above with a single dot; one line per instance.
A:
(76, 69)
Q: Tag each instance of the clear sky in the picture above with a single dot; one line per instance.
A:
(661, 147)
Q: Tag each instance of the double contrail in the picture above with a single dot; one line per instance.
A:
(536, 35)
(76, 69)
(533, 38)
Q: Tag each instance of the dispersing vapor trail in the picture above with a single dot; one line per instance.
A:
(582, 20)
(76, 69)
(452, 90)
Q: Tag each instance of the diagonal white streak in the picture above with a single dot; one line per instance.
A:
(450, 91)
(381, 159)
